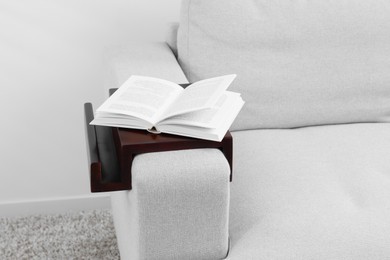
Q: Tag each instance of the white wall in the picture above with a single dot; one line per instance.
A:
(50, 61)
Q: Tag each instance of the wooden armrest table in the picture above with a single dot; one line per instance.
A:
(130, 142)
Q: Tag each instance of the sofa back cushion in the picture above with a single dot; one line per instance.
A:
(298, 63)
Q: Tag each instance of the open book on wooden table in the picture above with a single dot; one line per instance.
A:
(204, 109)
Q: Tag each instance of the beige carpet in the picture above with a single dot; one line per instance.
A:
(84, 235)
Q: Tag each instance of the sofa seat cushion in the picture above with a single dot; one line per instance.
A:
(298, 63)
(311, 193)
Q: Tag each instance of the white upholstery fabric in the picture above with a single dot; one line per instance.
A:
(145, 59)
(171, 37)
(311, 193)
(178, 208)
(298, 63)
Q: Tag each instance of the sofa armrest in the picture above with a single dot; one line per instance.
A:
(178, 207)
(146, 59)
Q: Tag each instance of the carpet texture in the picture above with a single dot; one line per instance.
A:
(83, 235)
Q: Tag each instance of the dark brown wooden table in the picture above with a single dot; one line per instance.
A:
(130, 142)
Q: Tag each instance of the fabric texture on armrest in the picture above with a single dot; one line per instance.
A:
(178, 207)
(146, 59)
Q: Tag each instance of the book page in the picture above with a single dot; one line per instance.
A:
(225, 117)
(120, 121)
(200, 95)
(208, 118)
(141, 97)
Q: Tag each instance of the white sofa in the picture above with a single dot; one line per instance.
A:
(311, 147)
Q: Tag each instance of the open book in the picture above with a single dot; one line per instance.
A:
(204, 109)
